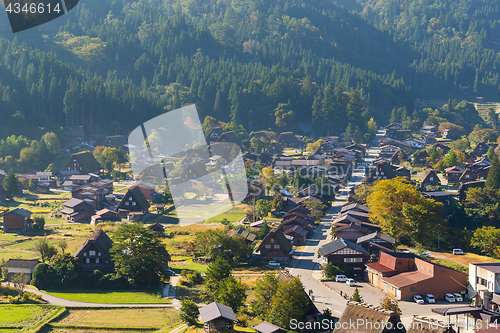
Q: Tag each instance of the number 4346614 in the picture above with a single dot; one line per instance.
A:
(33, 8)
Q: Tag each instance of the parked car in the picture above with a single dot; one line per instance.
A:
(350, 282)
(170, 272)
(426, 255)
(340, 278)
(450, 298)
(430, 298)
(458, 297)
(273, 263)
(458, 252)
(418, 299)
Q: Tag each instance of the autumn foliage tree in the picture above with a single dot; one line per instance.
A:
(399, 208)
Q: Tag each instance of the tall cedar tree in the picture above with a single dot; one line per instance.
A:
(493, 179)
(290, 302)
(10, 183)
(139, 255)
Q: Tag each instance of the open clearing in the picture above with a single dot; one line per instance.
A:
(15, 317)
(118, 319)
(111, 297)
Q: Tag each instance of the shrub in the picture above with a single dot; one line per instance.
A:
(7, 291)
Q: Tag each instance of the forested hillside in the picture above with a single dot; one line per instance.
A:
(264, 64)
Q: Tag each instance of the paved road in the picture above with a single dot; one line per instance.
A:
(305, 263)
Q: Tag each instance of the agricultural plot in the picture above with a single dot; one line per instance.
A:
(123, 320)
(16, 317)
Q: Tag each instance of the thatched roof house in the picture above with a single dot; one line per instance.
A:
(368, 319)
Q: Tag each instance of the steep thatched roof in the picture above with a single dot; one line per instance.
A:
(87, 160)
(428, 325)
(370, 316)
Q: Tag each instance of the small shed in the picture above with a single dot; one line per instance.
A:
(217, 317)
(20, 266)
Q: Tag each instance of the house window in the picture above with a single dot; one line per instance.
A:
(91, 253)
(84, 254)
(268, 246)
(99, 254)
(87, 260)
(126, 203)
(133, 203)
(431, 179)
(276, 246)
(413, 289)
(96, 260)
(272, 240)
(129, 198)
(353, 259)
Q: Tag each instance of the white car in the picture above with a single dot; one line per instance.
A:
(418, 299)
(458, 297)
(458, 252)
(426, 255)
(340, 278)
(450, 298)
(350, 282)
(274, 264)
(430, 298)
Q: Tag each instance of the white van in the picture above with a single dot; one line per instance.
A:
(458, 297)
(340, 278)
(458, 252)
(350, 282)
(450, 298)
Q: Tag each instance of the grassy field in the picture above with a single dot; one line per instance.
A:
(116, 320)
(111, 297)
(15, 317)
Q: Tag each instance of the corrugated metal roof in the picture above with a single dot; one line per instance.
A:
(407, 279)
(216, 310)
(269, 328)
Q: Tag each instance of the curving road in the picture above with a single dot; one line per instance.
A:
(305, 263)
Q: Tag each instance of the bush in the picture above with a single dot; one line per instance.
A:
(7, 291)
(26, 298)
(189, 312)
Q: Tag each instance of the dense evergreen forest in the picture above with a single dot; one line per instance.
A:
(110, 65)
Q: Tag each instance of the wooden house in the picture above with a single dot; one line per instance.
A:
(297, 234)
(17, 220)
(83, 162)
(342, 251)
(133, 203)
(20, 266)
(217, 317)
(193, 170)
(248, 236)
(480, 149)
(289, 140)
(381, 170)
(104, 215)
(229, 137)
(429, 178)
(275, 247)
(77, 210)
(420, 158)
(381, 320)
(214, 134)
(466, 176)
(375, 242)
(94, 253)
(453, 174)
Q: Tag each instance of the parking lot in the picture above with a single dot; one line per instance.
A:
(372, 295)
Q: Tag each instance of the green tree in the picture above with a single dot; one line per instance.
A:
(31, 186)
(290, 302)
(139, 255)
(231, 293)
(10, 184)
(38, 223)
(491, 153)
(278, 202)
(45, 250)
(493, 179)
(263, 207)
(44, 277)
(264, 291)
(486, 240)
(356, 297)
(189, 312)
(216, 272)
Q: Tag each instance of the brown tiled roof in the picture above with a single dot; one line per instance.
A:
(379, 267)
